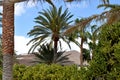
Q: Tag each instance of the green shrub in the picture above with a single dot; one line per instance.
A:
(19, 71)
(106, 60)
(46, 72)
(51, 72)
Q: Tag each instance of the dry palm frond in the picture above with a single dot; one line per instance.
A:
(80, 25)
(112, 15)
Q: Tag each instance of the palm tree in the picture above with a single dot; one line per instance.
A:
(51, 25)
(81, 33)
(46, 55)
(8, 39)
(78, 30)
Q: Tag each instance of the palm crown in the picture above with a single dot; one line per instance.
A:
(51, 25)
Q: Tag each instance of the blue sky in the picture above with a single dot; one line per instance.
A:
(24, 21)
(26, 12)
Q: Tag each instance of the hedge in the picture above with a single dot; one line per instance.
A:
(45, 72)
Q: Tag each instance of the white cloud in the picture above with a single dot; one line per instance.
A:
(31, 4)
(82, 4)
(66, 47)
(20, 8)
(73, 46)
(21, 44)
(22, 48)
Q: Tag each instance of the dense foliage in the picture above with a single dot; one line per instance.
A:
(46, 72)
(106, 61)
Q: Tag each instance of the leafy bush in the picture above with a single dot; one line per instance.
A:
(106, 61)
(19, 71)
(46, 72)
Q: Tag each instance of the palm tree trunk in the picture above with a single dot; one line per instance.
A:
(81, 52)
(55, 47)
(8, 39)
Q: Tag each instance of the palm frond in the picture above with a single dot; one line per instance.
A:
(108, 6)
(51, 23)
(112, 15)
(80, 25)
(36, 42)
(46, 55)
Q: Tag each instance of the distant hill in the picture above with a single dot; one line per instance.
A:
(27, 59)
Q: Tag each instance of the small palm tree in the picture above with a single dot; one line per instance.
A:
(46, 55)
(52, 23)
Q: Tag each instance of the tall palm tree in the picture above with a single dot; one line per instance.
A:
(81, 33)
(79, 30)
(51, 25)
(8, 39)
